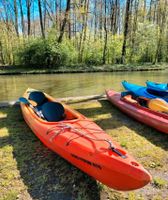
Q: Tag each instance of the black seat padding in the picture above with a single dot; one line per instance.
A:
(53, 111)
(38, 97)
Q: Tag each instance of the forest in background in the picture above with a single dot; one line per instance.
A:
(53, 33)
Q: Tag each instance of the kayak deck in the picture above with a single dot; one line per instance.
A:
(84, 144)
(160, 87)
(142, 91)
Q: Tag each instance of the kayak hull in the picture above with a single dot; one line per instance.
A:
(160, 87)
(144, 91)
(151, 118)
(81, 142)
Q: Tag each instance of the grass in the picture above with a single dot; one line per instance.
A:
(159, 183)
(9, 70)
(28, 170)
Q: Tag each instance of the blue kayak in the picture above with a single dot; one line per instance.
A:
(141, 91)
(157, 86)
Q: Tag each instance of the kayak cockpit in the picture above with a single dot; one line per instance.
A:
(47, 109)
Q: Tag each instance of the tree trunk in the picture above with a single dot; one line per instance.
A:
(83, 32)
(134, 28)
(105, 29)
(56, 14)
(125, 31)
(16, 17)
(45, 16)
(95, 20)
(1, 54)
(41, 19)
(101, 18)
(150, 10)
(85, 27)
(60, 13)
(22, 17)
(162, 13)
(64, 21)
(144, 10)
(28, 3)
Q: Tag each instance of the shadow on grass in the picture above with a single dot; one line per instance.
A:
(45, 174)
(118, 119)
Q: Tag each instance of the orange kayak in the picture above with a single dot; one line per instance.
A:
(143, 114)
(85, 145)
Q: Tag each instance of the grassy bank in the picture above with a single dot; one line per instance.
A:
(11, 70)
(28, 170)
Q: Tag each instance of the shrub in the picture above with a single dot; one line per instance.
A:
(145, 44)
(93, 53)
(68, 52)
(47, 53)
(42, 53)
(93, 59)
(114, 49)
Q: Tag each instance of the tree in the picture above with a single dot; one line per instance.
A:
(1, 54)
(22, 17)
(162, 6)
(41, 19)
(125, 31)
(105, 29)
(16, 17)
(28, 4)
(84, 29)
(134, 28)
(64, 21)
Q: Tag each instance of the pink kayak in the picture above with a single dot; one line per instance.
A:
(143, 114)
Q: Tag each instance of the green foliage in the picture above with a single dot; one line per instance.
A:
(46, 53)
(40, 53)
(93, 53)
(145, 44)
(68, 52)
(93, 59)
(94, 50)
(114, 49)
(9, 43)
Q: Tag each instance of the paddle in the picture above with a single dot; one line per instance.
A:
(29, 103)
(158, 105)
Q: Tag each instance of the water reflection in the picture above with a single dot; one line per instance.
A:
(64, 85)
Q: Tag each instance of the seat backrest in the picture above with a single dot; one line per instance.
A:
(130, 99)
(38, 97)
(53, 111)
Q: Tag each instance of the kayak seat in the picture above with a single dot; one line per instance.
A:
(157, 93)
(125, 93)
(38, 97)
(143, 101)
(50, 111)
(53, 111)
(130, 99)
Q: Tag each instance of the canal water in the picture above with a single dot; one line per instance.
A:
(76, 84)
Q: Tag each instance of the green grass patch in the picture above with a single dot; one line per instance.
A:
(29, 169)
(159, 182)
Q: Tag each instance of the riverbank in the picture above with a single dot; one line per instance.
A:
(30, 171)
(16, 70)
